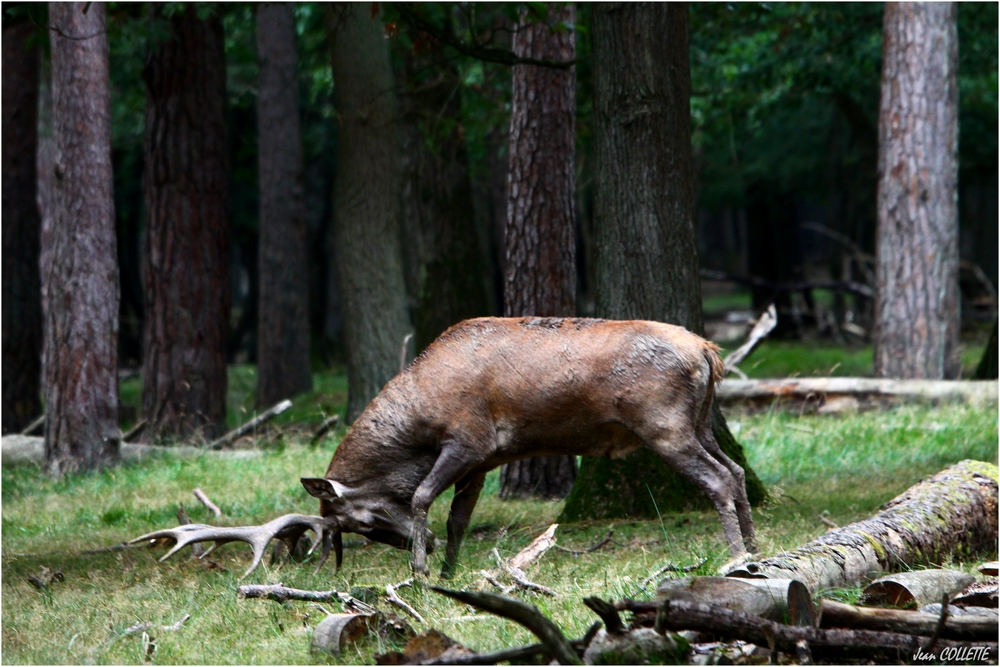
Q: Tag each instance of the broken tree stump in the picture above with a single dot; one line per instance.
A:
(955, 510)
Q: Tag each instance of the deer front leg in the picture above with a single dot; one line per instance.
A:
(452, 465)
(466, 495)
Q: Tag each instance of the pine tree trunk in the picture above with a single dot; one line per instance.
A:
(81, 315)
(186, 265)
(22, 230)
(366, 233)
(443, 254)
(540, 276)
(283, 365)
(917, 298)
(646, 261)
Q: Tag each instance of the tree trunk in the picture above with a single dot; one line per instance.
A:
(917, 299)
(22, 293)
(81, 316)
(366, 234)
(540, 277)
(283, 365)
(446, 274)
(955, 510)
(186, 264)
(646, 261)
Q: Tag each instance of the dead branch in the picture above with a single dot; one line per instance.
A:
(35, 425)
(839, 615)
(513, 568)
(940, 626)
(765, 324)
(133, 432)
(213, 508)
(608, 614)
(597, 545)
(145, 627)
(534, 551)
(390, 592)
(527, 615)
(324, 428)
(281, 593)
(248, 427)
(670, 567)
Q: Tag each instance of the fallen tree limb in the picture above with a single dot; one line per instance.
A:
(324, 428)
(823, 391)
(240, 431)
(527, 615)
(212, 507)
(765, 325)
(782, 600)
(729, 623)
(839, 615)
(956, 508)
(281, 593)
(390, 592)
(527, 556)
(597, 545)
(29, 450)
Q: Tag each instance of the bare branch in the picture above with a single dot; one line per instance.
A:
(390, 592)
(200, 495)
(579, 552)
(324, 428)
(262, 418)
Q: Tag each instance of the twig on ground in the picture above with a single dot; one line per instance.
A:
(595, 547)
(129, 435)
(670, 567)
(390, 592)
(35, 425)
(200, 495)
(488, 576)
(260, 419)
(281, 593)
(324, 428)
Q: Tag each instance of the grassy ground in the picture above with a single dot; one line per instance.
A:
(846, 466)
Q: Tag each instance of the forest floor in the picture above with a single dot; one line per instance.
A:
(843, 467)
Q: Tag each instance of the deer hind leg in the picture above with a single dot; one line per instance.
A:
(466, 495)
(707, 440)
(687, 456)
(453, 463)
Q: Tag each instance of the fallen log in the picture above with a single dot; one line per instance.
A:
(915, 589)
(782, 600)
(956, 508)
(324, 428)
(818, 393)
(27, 450)
(765, 324)
(967, 627)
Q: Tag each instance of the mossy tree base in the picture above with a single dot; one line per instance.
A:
(642, 485)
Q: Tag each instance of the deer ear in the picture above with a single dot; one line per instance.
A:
(320, 488)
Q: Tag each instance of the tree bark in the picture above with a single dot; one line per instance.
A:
(283, 364)
(22, 292)
(954, 509)
(917, 300)
(646, 259)
(81, 315)
(446, 272)
(540, 276)
(186, 264)
(366, 233)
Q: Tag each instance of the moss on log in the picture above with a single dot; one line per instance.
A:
(952, 513)
(643, 486)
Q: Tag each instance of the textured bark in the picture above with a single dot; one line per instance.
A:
(955, 511)
(646, 261)
(446, 273)
(81, 314)
(283, 366)
(540, 273)
(366, 234)
(22, 228)
(186, 264)
(917, 300)
(839, 615)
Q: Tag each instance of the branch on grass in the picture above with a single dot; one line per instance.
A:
(579, 552)
(145, 627)
(324, 428)
(281, 593)
(765, 325)
(527, 615)
(248, 427)
(200, 495)
(527, 556)
(390, 592)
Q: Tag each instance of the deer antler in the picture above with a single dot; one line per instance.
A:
(288, 527)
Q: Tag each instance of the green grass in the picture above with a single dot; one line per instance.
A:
(847, 466)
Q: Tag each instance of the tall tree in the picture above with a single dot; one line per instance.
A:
(81, 313)
(646, 262)
(283, 368)
(541, 219)
(917, 297)
(22, 294)
(186, 264)
(366, 233)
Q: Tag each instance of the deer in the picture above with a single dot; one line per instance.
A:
(491, 391)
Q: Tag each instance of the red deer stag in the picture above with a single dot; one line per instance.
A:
(494, 390)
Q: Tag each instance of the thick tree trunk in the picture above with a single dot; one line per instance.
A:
(81, 315)
(186, 265)
(22, 229)
(444, 257)
(540, 277)
(366, 234)
(646, 261)
(283, 366)
(955, 510)
(917, 299)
